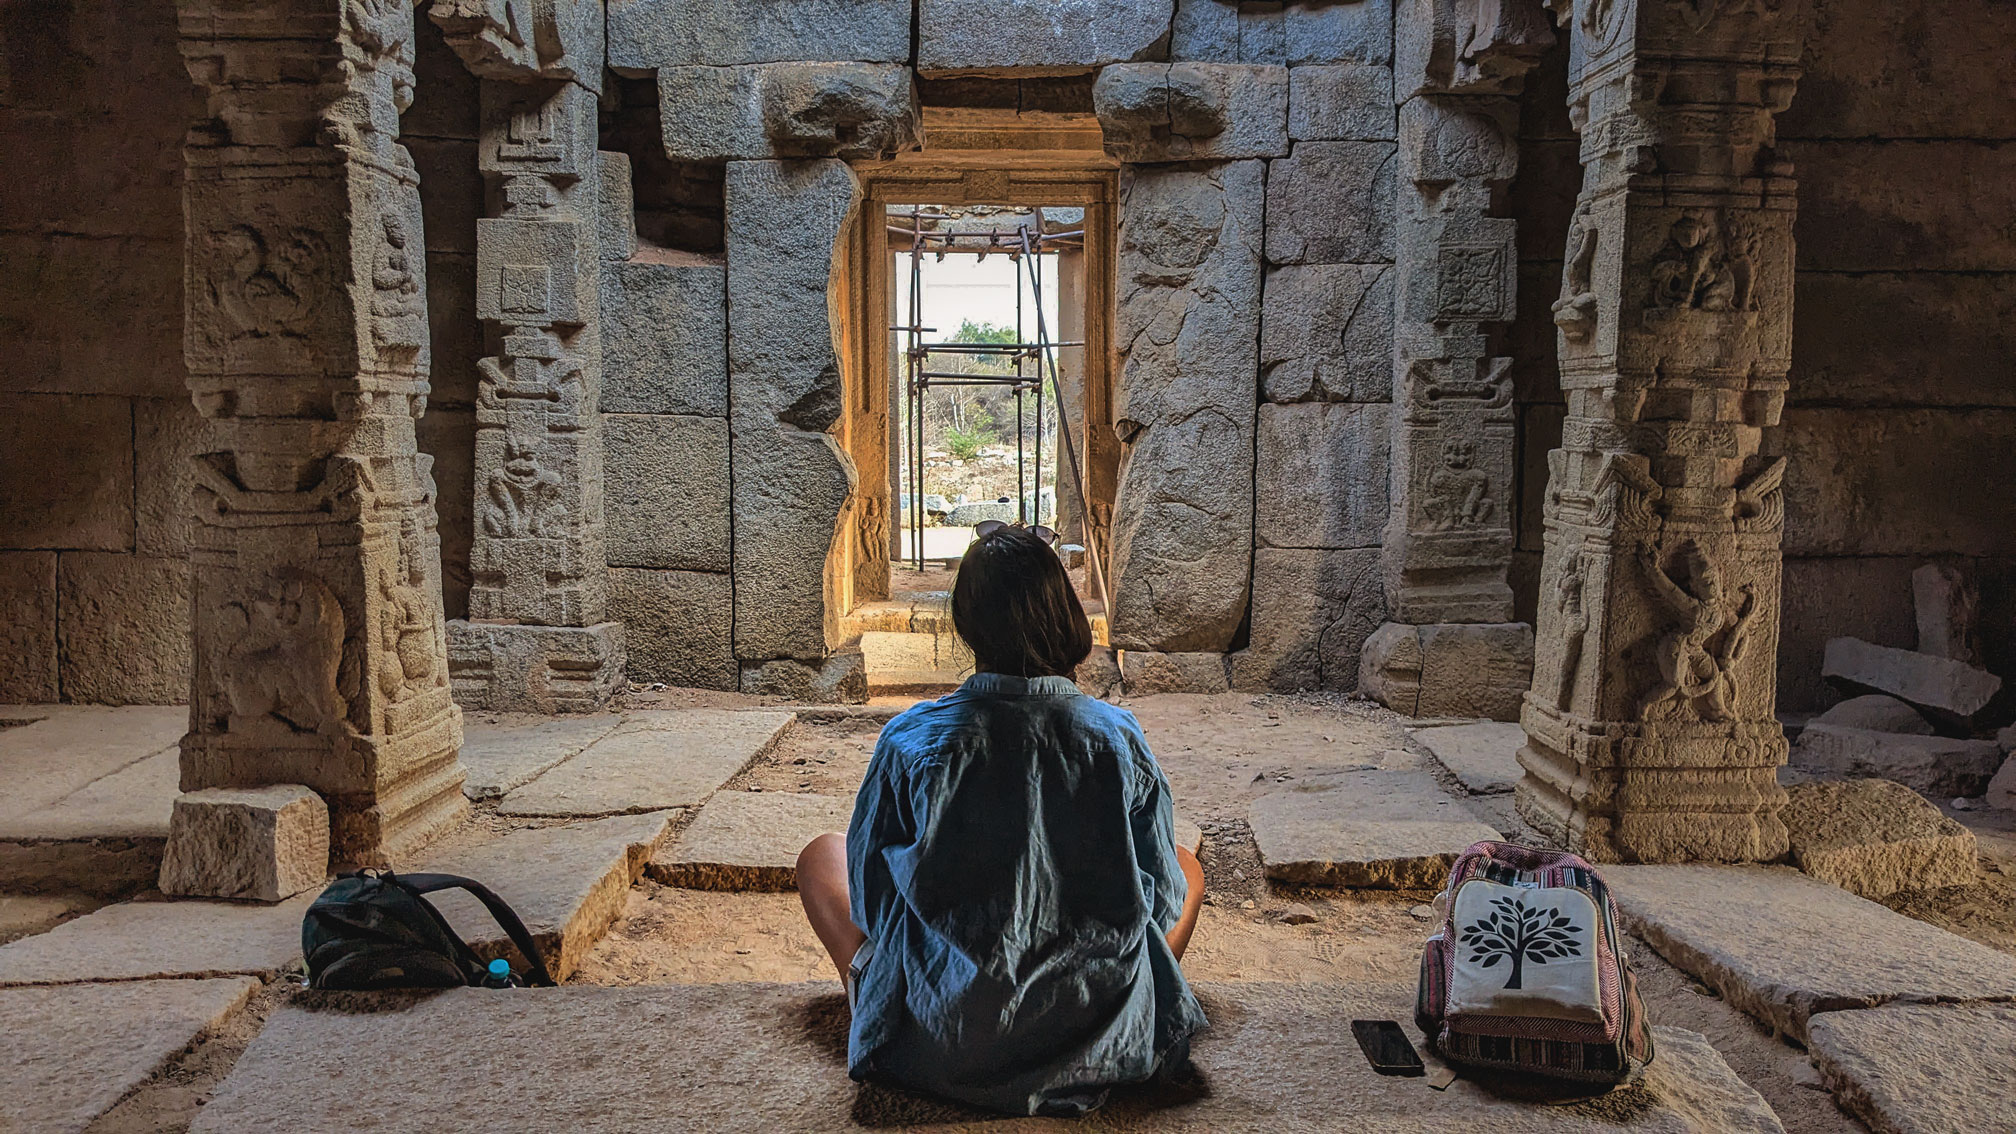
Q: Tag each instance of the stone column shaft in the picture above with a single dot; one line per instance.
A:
(319, 654)
(1650, 724)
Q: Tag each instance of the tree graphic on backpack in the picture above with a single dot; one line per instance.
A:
(1519, 932)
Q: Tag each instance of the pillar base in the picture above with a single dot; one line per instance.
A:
(505, 667)
(1449, 669)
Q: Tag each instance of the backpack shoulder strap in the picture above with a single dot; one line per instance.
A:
(505, 916)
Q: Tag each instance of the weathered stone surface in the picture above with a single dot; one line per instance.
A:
(1855, 219)
(1331, 203)
(1947, 604)
(1783, 947)
(167, 435)
(1187, 321)
(1847, 340)
(89, 507)
(852, 111)
(148, 940)
(676, 626)
(1449, 669)
(1099, 674)
(789, 490)
(1161, 112)
(1324, 466)
(1345, 102)
(1825, 598)
(914, 660)
(1038, 37)
(1353, 31)
(1937, 766)
(109, 868)
(1876, 713)
(1326, 333)
(1274, 1056)
(1149, 671)
(131, 803)
(1851, 482)
(665, 335)
(535, 669)
(1312, 611)
(57, 274)
(1941, 686)
(1374, 828)
(667, 495)
(1876, 837)
(1485, 757)
(514, 752)
(653, 761)
(2001, 790)
(124, 636)
(615, 219)
(645, 34)
(1227, 31)
(66, 749)
(746, 840)
(76, 1051)
(567, 884)
(1885, 72)
(1920, 1068)
(262, 844)
(28, 626)
(841, 678)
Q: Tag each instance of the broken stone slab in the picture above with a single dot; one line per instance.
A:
(261, 844)
(153, 940)
(1449, 669)
(133, 802)
(1936, 766)
(1876, 837)
(1877, 713)
(1920, 1068)
(75, 1051)
(1163, 112)
(649, 34)
(1276, 1057)
(1039, 37)
(1948, 607)
(653, 761)
(2001, 790)
(747, 840)
(841, 679)
(567, 884)
(1484, 757)
(503, 756)
(853, 111)
(1143, 672)
(1950, 690)
(1370, 828)
(1782, 947)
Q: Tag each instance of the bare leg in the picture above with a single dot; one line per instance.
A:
(822, 886)
(1193, 873)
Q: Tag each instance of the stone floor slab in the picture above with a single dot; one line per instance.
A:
(1372, 827)
(566, 883)
(1921, 1069)
(155, 940)
(42, 762)
(73, 1052)
(653, 761)
(516, 750)
(1484, 756)
(749, 840)
(1782, 947)
(771, 1059)
(132, 802)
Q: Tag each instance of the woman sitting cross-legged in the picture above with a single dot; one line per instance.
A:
(1008, 905)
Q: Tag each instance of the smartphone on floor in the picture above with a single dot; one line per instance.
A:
(1387, 1048)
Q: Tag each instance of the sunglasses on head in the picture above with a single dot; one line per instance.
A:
(985, 528)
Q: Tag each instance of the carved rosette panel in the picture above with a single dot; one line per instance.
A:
(319, 651)
(1650, 722)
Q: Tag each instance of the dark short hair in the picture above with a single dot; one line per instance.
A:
(1013, 605)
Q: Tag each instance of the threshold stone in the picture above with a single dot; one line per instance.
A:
(1921, 1068)
(1368, 828)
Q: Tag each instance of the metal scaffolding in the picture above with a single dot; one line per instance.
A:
(1035, 362)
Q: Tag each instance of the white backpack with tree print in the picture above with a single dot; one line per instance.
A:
(1528, 973)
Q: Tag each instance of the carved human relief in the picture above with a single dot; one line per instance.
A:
(1575, 310)
(1459, 493)
(1705, 264)
(1696, 658)
(410, 643)
(1570, 607)
(523, 499)
(279, 655)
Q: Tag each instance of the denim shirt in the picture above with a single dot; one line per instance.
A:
(1012, 859)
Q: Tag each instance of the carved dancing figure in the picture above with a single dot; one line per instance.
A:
(406, 627)
(1459, 496)
(1575, 311)
(1690, 671)
(1568, 602)
(524, 498)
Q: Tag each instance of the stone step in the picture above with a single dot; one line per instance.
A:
(653, 761)
(748, 840)
(85, 795)
(1782, 947)
(771, 1059)
(517, 750)
(1484, 756)
(567, 884)
(1365, 828)
(152, 940)
(915, 660)
(75, 1051)
(1921, 1069)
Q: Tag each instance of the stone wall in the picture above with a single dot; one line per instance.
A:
(96, 426)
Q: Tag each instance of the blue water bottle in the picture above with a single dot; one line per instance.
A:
(499, 974)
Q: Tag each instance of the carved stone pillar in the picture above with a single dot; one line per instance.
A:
(317, 607)
(1451, 647)
(537, 638)
(1650, 725)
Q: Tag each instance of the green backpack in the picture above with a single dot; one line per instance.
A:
(374, 929)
